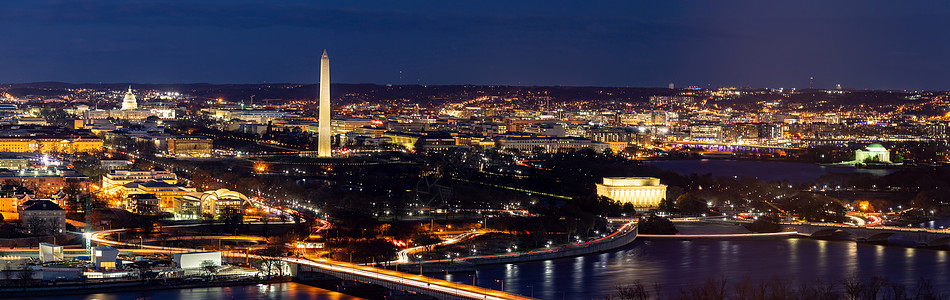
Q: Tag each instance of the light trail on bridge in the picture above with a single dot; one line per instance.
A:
(400, 278)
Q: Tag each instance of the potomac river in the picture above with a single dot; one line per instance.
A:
(670, 263)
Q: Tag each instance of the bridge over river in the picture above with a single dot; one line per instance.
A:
(387, 278)
(874, 234)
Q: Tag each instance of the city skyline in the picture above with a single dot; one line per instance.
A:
(612, 44)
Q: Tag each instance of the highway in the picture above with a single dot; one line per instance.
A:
(405, 279)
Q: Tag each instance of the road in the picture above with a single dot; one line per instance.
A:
(417, 281)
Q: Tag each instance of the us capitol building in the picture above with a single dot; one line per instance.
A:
(642, 192)
(130, 111)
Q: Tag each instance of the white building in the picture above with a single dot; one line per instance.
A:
(129, 103)
(873, 153)
(642, 192)
(50, 252)
(195, 260)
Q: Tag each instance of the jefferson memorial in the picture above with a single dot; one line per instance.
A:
(873, 153)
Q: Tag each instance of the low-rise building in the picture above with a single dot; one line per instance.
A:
(43, 217)
(47, 139)
(189, 146)
(194, 260)
(218, 201)
(50, 252)
(117, 178)
(115, 164)
(164, 191)
(104, 257)
(548, 143)
(46, 181)
(641, 192)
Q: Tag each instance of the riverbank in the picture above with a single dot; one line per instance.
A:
(123, 286)
(793, 171)
(625, 235)
(273, 291)
(677, 265)
(714, 231)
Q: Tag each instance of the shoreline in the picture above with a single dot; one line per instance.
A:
(728, 236)
(118, 287)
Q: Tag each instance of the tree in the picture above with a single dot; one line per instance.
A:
(209, 267)
(656, 225)
(426, 240)
(765, 224)
(39, 226)
(690, 204)
(667, 205)
(231, 216)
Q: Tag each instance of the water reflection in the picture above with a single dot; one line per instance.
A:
(677, 264)
(280, 291)
(764, 170)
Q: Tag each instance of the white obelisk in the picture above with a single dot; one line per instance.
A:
(323, 141)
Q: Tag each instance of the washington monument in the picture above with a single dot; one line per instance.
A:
(323, 140)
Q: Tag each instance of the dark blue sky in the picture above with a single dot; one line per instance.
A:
(860, 44)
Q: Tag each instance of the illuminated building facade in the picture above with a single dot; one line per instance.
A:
(50, 145)
(217, 201)
(117, 178)
(129, 103)
(189, 146)
(641, 192)
(873, 153)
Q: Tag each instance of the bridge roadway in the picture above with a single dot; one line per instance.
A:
(874, 234)
(727, 146)
(390, 279)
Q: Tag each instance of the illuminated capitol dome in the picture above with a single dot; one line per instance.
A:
(129, 103)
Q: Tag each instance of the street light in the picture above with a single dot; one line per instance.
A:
(502, 284)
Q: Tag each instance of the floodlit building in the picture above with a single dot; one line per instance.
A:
(194, 260)
(873, 153)
(549, 143)
(642, 192)
(189, 146)
(117, 178)
(50, 252)
(45, 181)
(129, 103)
(115, 164)
(14, 161)
(162, 190)
(50, 144)
(215, 202)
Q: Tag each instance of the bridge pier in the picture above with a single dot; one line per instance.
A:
(877, 235)
(303, 270)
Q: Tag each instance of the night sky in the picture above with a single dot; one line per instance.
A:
(859, 44)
